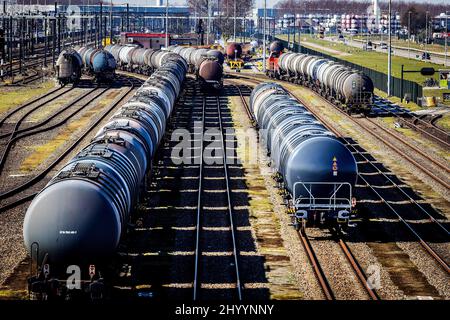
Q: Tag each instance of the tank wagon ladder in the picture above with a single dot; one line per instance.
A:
(408, 226)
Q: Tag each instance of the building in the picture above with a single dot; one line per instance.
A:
(281, 22)
(145, 40)
(150, 19)
(440, 21)
(157, 40)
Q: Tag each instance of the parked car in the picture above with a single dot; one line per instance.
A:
(368, 46)
(383, 45)
(426, 56)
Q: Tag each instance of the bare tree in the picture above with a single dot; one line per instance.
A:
(360, 7)
(223, 13)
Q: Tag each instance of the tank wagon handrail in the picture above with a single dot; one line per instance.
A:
(329, 203)
(304, 155)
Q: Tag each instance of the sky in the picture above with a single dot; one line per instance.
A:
(259, 3)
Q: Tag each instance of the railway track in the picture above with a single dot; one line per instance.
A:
(439, 226)
(18, 134)
(318, 271)
(18, 194)
(431, 167)
(434, 133)
(33, 63)
(428, 166)
(31, 102)
(201, 262)
(183, 246)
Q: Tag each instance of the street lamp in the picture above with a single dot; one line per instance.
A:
(409, 34)
(389, 50)
(234, 22)
(426, 30)
(167, 24)
(264, 36)
(446, 36)
(209, 23)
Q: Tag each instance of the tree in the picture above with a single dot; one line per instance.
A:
(418, 19)
(222, 12)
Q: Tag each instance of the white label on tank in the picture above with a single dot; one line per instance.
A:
(68, 231)
(335, 167)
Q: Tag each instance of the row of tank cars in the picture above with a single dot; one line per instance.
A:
(349, 89)
(74, 225)
(205, 64)
(311, 163)
(98, 63)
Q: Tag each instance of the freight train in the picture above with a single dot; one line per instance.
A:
(99, 63)
(317, 170)
(133, 58)
(234, 59)
(349, 89)
(68, 67)
(206, 64)
(80, 216)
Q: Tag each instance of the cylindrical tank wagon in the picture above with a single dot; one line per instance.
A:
(82, 213)
(276, 47)
(68, 67)
(316, 168)
(145, 61)
(98, 62)
(206, 64)
(349, 89)
(234, 50)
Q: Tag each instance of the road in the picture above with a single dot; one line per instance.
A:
(438, 59)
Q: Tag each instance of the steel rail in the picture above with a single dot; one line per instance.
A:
(358, 270)
(230, 210)
(51, 127)
(26, 104)
(318, 271)
(43, 173)
(199, 209)
(437, 163)
(424, 244)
